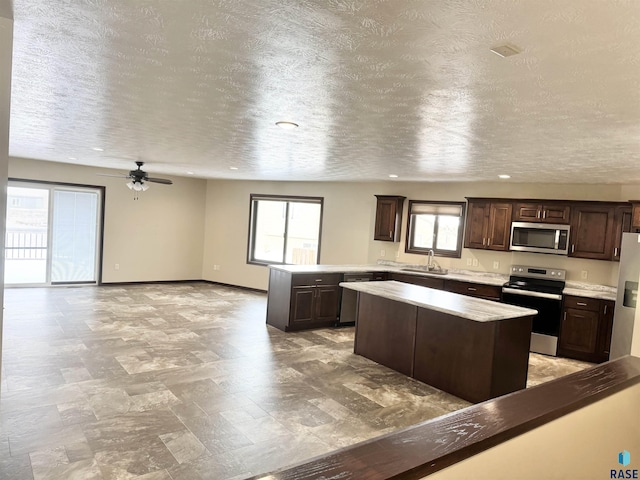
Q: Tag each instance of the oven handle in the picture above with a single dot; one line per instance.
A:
(529, 293)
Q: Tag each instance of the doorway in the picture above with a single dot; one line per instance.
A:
(53, 234)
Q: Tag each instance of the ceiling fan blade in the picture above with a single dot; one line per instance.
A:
(112, 175)
(159, 180)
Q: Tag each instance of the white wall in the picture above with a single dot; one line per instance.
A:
(583, 444)
(6, 42)
(349, 215)
(160, 236)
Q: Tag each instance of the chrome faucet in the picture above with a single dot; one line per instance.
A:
(430, 260)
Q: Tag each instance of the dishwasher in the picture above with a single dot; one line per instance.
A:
(349, 305)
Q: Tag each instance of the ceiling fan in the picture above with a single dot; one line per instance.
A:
(138, 178)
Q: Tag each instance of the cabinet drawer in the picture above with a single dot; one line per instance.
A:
(582, 303)
(379, 276)
(316, 279)
(473, 289)
(422, 281)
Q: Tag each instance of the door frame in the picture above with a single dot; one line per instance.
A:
(100, 236)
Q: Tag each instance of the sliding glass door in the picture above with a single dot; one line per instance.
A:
(52, 235)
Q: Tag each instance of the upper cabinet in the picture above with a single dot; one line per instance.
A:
(488, 224)
(550, 212)
(388, 218)
(596, 229)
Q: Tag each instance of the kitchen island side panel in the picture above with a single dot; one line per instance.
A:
(511, 355)
(455, 354)
(279, 299)
(385, 332)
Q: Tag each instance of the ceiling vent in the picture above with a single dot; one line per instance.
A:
(505, 50)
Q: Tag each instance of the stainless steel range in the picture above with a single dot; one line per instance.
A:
(541, 289)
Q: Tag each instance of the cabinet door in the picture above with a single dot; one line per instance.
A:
(475, 232)
(302, 305)
(499, 229)
(604, 333)
(622, 223)
(388, 218)
(592, 232)
(527, 212)
(430, 282)
(556, 213)
(327, 303)
(579, 334)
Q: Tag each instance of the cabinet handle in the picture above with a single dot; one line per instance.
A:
(573, 248)
(318, 279)
(615, 252)
(537, 213)
(605, 309)
(565, 315)
(484, 241)
(544, 214)
(489, 242)
(582, 304)
(471, 289)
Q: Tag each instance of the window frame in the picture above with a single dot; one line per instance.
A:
(410, 248)
(253, 197)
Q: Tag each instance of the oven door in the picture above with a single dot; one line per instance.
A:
(546, 324)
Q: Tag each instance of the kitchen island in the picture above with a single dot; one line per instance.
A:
(473, 348)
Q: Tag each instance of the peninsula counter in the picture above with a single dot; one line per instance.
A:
(473, 348)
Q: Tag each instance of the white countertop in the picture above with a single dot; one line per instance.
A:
(463, 306)
(579, 289)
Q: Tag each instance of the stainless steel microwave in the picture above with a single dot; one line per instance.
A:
(540, 238)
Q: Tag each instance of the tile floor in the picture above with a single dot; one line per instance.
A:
(185, 381)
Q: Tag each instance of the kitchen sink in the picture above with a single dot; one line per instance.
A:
(435, 271)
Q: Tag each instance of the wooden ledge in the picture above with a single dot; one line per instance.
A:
(425, 448)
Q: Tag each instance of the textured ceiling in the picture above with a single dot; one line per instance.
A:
(405, 87)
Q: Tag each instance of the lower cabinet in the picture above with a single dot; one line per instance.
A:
(421, 280)
(585, 330)
(303, 301)
(488, 292)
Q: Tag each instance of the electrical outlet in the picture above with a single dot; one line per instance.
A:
(475, 262)
(496, 265)
(584, 274)
(382, 253)
(216, 267)
(116, 266)
(469, 261)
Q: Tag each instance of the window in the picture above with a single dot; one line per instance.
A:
(285, 230)
(435, 226)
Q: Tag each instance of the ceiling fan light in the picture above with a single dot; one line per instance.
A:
(130, 185)
(145, 187)
(137, 186)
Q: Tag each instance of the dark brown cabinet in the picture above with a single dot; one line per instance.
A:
(622, 223)
(592, 231)
(423, 281)
(488, 292)
(540, 212)
(298, 301)
(585, 330)
(488, 224)
(388, 218)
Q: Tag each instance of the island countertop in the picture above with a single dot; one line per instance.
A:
(463, 306)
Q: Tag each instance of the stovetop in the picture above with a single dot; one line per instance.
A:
(537, 279)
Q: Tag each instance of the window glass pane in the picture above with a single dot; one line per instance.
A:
(447, 238)
(74, 234)
(303, 233)
(423, 227)
(268, 240)
(26, 236)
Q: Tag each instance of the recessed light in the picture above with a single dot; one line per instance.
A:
(72, 158)
(504, 176)
(393, 175)
(505, 51)
(98, 149)
(287, 125)
(189, 173)
(233, 168)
